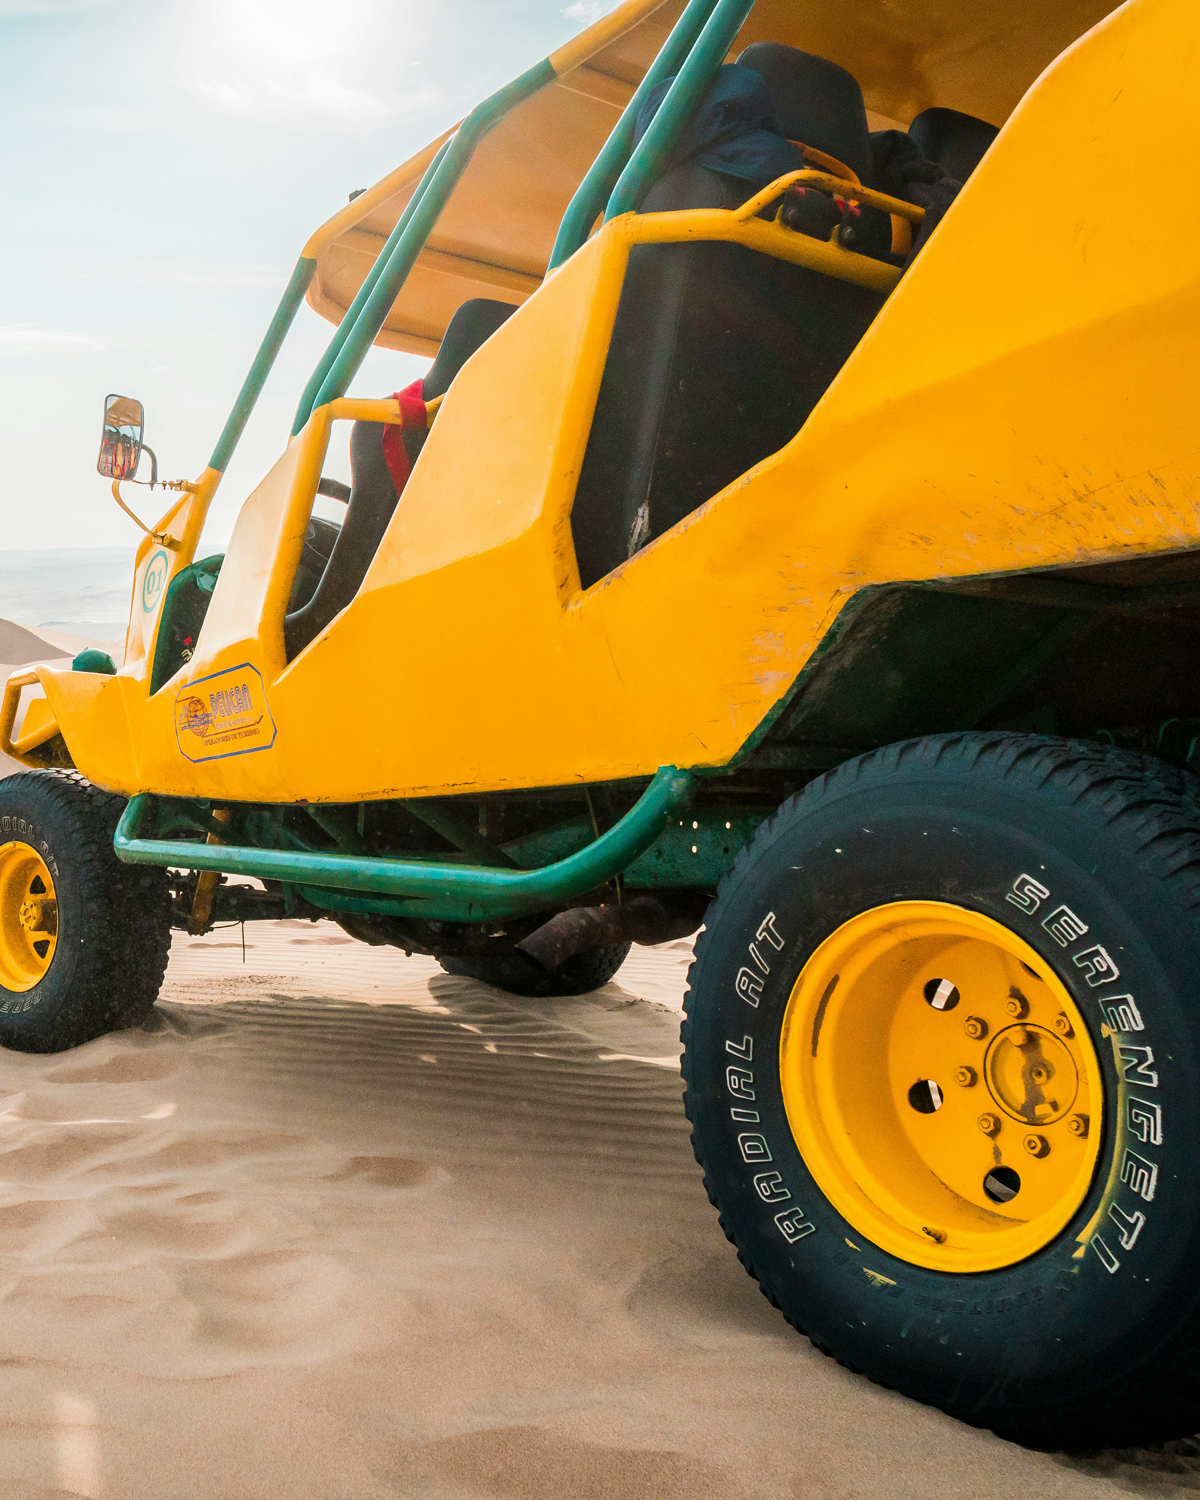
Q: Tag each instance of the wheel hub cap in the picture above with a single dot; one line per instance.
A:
(28, 917)
(39, 915)
(941, 1086)
(1031, 1075)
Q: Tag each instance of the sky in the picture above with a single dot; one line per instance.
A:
(164, 163)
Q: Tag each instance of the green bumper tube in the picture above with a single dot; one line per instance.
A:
(448, 893)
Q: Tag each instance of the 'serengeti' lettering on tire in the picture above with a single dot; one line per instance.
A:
(1024, 907)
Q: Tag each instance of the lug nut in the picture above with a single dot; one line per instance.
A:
(1078, 1125)
(989, 1124)
(966, 1076)
(1017, 1005)
(1063, 1025)
(1036, 1145)
(975, 1027)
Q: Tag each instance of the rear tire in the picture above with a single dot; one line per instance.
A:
(83, 938)
(1085, 860)
(580, 975)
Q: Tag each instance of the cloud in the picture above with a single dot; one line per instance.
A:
(28, 335)
(141, 273)
(317, 92)
(48, 7)
(91, 117)
(585, 10)
(227, 278)
(280, 59)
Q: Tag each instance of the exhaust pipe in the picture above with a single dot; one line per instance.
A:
(645, 919)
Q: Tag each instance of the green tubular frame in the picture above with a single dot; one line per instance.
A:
(374, 310)
(285, 313)
(694, 50)
(593, 192)
(653, 151)
(440, 892)
(367, 313)
(325, 363)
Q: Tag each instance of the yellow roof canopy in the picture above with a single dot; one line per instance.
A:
(496, 233)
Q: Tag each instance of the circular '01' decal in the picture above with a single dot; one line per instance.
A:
(154, 580)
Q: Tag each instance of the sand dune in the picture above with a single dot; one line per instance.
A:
(64, 643)
(19, 646)
(338, 1225)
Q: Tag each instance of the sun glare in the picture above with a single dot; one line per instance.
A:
(277, 58)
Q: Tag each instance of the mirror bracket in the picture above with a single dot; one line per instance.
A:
(158, 536)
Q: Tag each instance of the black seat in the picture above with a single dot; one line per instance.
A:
(955, 140)
(815, 102)
(468, 330)
(929, 163)
(718, 353)
(819, 104)
(373, 495)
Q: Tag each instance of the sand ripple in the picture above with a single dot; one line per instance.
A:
(339, 1225)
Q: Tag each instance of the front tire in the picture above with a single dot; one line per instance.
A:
(942, 1056)
(83, 938)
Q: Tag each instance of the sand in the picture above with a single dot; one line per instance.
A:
(338, 1225)
(19, 646)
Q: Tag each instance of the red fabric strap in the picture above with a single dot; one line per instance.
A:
(412, 415)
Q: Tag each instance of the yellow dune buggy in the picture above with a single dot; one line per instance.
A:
(796, 534)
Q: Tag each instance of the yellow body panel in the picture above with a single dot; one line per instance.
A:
(91, 710)
(38, 725)
(1024, 400)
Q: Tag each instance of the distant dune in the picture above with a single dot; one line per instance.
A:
(19, 646)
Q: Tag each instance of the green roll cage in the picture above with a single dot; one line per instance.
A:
(619, 177)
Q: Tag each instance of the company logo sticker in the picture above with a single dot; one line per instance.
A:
(225, 714)
(154, 580)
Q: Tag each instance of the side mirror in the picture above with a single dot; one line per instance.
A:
(121, 439)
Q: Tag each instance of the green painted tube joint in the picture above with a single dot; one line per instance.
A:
(440, 892)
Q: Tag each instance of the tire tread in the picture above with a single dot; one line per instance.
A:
(126, 920)
(1152, 807)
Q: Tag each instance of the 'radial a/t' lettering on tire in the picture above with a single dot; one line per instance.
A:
(942, 1053)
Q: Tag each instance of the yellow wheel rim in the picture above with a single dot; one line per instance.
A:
(941, 1086)
(28, 917)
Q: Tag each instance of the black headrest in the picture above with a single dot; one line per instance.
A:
(955, 140)
(816, 102)
(472, 325)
